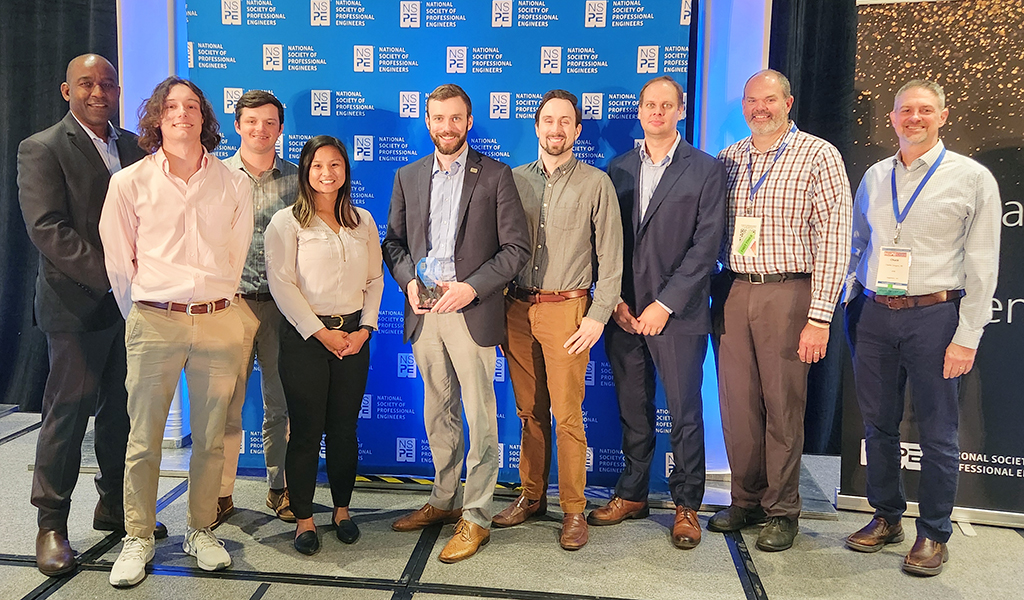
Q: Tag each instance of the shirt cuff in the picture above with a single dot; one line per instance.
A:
(967, 338)
(821, 311)
(663, 305)
(309, 326)
(600, 314)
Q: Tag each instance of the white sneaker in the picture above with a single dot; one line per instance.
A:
(130, 566)
(208, 550)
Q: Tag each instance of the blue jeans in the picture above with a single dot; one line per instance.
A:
(889, 347)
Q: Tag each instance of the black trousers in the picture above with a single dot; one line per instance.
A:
(324, 394)
(679, 362)
(87, 371)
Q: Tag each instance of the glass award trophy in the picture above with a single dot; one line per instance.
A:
(433, 276)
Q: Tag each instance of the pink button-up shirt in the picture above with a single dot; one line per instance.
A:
(167, 240)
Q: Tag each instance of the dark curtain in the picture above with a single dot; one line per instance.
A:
(37, 39)
(814, 43)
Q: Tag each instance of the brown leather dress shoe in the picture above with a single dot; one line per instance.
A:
(520, 510)
(926, 557)
(225, 508)
(426, 516)
(686, 530)
(54, 556)
(618, 510)
(467, 540)
(280, 503)
(875, 535)
(575, 533)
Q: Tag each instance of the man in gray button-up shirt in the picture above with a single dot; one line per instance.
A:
(576, 242)
(259, 118)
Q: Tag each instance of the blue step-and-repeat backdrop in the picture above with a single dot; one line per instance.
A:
(361, 70)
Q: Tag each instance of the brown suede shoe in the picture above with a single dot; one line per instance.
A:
(875, 535)
(575, 533)
(520, 510)
(428, 515)
(686, 530)
(54, 556)
(926, 557)
(618, 510)
(280, 503)
(467, 540)
(225, 508)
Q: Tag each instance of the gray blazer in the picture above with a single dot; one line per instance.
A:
(491, 243)
(62, 182)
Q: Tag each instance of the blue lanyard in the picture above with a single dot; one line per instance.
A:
(750, 165)
(901, 215)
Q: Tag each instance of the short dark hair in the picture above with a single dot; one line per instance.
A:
(448, 91)
(256, 99)
(559, 95)
(665, 79)
(151, 112)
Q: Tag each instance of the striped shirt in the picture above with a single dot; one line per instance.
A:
(805, 208)
(273, 190)
(952, 231)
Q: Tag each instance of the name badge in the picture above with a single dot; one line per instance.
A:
(746, 236)
(893, 271)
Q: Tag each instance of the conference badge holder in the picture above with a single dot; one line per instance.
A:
(893, 271)
(746, 236)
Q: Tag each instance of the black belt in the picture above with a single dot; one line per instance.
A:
(258, 296)
(769, 278)
(347, 323)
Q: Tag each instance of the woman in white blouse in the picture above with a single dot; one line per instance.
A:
(324, 269)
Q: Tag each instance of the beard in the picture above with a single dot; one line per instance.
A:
(770, 126)
(556, 150)
(448, 147)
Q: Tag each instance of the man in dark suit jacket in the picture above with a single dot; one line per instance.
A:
(672, 200)
(461, 210)
(63, 174)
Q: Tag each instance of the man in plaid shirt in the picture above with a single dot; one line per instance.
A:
(784, 257)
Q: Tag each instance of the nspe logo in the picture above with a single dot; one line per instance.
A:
(191, 56)
(230, 12)
(362, 57)
(670, 463)
(406, 366)
(405, 450)
(596, 13)
(320, 103)
(647, 59)
(500, 104)
(320, 13)
(593, 106)
(231, 95)
(364, 148)
(686, 12)
(409, 105)
(409, 14)
(366, 408)
(273, 57)
(501, 13)
(456, 60)
(588, 377)
(499, 369)
(590, 459)
(910, 455)
(551, 59)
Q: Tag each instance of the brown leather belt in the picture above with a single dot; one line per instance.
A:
(769, 278)
(901, 302)
(192, 308)
(535, 296)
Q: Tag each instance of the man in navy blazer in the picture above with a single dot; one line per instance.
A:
(462, 210)
(672, 200)
(63, 174)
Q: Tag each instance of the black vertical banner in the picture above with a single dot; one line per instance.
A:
(973, 49)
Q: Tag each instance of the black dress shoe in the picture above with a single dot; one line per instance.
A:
(307, 542)
(54, 556)
(735, 518)
(347, 531)
(778, 534)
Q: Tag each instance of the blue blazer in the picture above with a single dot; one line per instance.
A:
(669, 255)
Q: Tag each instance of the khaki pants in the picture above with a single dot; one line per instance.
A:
(159, 345)
(453, 366)
(548, 381)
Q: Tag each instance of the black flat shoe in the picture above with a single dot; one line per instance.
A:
(307, 542)
(347, 531)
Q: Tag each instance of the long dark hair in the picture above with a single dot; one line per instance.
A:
(152, 111)
(304, 208)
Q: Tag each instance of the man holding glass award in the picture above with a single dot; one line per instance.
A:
(456, 236)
